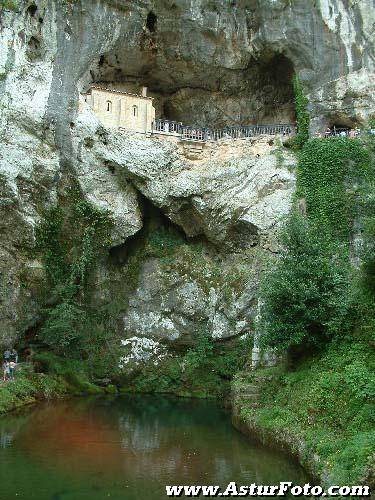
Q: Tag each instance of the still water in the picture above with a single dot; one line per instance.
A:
(128, 448)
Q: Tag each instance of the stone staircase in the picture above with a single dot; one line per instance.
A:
(193, 150)
(248, 393)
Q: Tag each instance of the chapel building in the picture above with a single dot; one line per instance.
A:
(118, 109)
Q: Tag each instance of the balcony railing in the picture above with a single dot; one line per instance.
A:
(167, 127)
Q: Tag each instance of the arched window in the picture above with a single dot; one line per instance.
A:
(135, 110)
(109, 106)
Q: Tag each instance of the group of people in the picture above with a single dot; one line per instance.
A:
(9, 364)
(352, 133)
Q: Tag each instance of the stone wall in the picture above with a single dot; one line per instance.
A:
(115, 109)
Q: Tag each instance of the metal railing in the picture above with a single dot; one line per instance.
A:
(166, 127)
(190, 133)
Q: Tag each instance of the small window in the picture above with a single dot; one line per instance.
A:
(109, 106)
(135, 110)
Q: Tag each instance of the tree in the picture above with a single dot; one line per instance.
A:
(306, 294)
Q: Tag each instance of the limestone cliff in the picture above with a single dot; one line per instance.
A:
(206, 62)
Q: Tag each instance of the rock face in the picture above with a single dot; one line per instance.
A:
(210, 63)
(231, 196)
(228, 188)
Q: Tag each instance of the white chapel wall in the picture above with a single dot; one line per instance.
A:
(122, 110)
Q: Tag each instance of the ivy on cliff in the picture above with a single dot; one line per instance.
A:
(315, 298)
(309, 295)
(302, 114)
(329, 175)
(70, 240)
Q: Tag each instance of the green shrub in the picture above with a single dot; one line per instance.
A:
(371, 121)
(26, 388)
(64, 329)
(306, 294)
(73, 374)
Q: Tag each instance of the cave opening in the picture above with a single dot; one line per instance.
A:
(154, 222)
(342, 124)
(32, 9)
(33, 51)
(260, 93)
(151, 22)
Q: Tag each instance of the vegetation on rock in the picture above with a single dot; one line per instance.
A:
(310, 294)
(9, 5)
(331, 174)
(70, 241)
(326, 403)
(203, 370)
(302, 114)
(320, 307)
(306, 296)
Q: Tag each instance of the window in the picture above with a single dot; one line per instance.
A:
(135, 110)
(109, 106)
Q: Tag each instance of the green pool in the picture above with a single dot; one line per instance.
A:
(128, 448)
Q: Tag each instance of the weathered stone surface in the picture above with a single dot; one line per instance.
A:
(175, 302)
(235, 192)
(99, 184)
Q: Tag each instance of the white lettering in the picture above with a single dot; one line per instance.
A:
(284, 487)
(231, 489)
(296, 491)
(316, 491)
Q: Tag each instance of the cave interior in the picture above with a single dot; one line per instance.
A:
(196, 94)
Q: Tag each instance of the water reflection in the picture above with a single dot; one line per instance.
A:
(9, 428)
(129, 446)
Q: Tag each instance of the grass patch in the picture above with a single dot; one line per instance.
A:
(28, 388)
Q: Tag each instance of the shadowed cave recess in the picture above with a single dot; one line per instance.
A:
(188, 90)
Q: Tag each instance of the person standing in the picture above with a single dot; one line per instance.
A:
(12, 367)
(13, 355)
(5, 370)
(7, 354)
